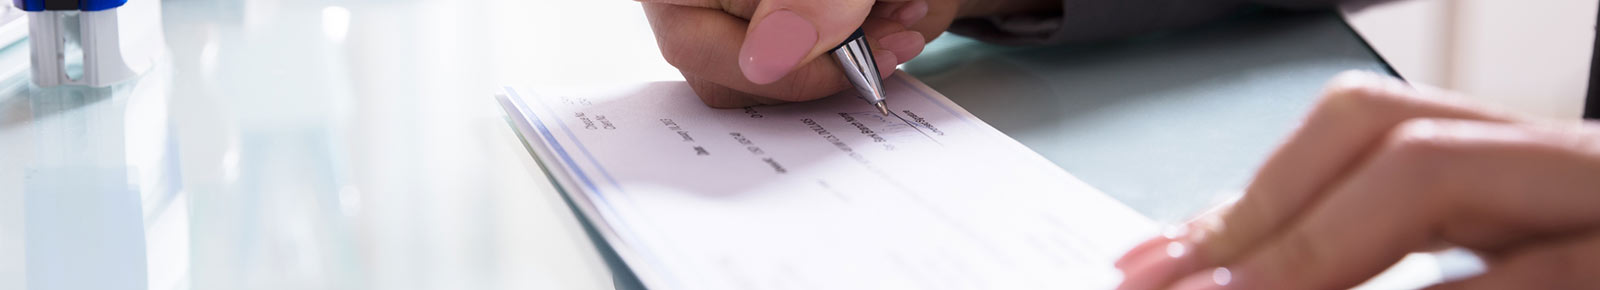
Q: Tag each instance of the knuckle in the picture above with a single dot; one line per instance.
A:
(1366, 94)
(807, 83)
(1366, 80)
(1350, 93)
(1419, 151)
(1343, 100)
(1417, 137)
(1356, 87)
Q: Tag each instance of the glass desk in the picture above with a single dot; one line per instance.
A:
(292, 144)
(1196, 109)
(303, 144)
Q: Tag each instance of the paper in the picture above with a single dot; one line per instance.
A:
(826, 194)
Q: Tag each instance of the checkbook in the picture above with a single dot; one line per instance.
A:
(826, 194)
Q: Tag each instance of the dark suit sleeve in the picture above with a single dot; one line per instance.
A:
(1088, 20)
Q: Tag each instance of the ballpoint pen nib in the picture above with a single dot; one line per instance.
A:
(882, 109)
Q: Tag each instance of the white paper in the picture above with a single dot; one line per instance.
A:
(820, 195)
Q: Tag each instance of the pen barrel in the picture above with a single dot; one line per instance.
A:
(855, 58)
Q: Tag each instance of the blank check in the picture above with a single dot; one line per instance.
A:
(828, 194)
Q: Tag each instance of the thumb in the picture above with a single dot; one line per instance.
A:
(784, 34)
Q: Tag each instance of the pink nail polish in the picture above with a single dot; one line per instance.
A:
(1212, 279)
(776, 46)
(1161, 260)
(1142, 252)
(1164, 264)
(904, 44)
(1155, 248)
(911, 13)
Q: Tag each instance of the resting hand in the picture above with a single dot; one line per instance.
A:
(1380, 170)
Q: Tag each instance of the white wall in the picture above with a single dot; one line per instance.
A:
(1532, 56)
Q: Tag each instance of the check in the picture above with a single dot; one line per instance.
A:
(828, 194)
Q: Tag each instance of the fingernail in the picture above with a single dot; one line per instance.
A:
(911, 13)
(1214, 279)
(904, 44)
(886, 62)
(776, 46)
(1152, 248)
(1160, 260)
(1174, 258)
(1139, 259)
(1143, 251)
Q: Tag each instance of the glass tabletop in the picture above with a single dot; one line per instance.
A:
(290, 144)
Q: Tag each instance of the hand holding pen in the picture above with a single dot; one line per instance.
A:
(739, 53)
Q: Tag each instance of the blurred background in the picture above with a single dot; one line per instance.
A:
(1497, 51)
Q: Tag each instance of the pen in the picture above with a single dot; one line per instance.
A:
(855, 57)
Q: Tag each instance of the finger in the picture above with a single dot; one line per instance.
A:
(892, 36)
(1428, 179)
(1569, 264)
(887, 10)
(700, 41)
(1151, 264)
(784, 34)
(712, 4)
(1356, 112)
(905, 13)
(718, 96)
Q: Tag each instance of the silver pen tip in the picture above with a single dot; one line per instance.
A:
(882, 108)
